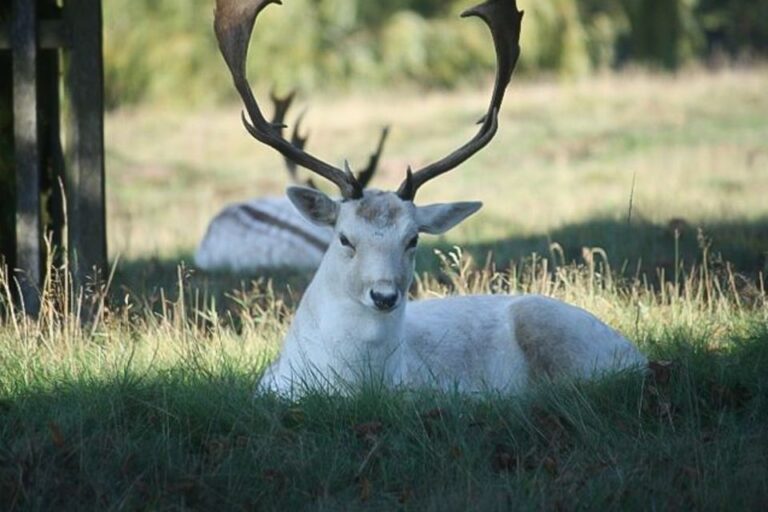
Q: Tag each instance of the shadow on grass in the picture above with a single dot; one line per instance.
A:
(690, 437)
(636, 249)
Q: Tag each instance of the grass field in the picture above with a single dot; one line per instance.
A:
(638, 197)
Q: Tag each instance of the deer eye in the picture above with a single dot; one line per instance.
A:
(345, 241)
(412, 242)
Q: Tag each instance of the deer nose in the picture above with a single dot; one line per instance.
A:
(384, 301)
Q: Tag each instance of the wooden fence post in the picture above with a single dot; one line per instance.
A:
(27, 152)
(84, 149)
(73, 32)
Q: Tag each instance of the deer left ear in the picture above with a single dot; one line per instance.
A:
(436, 219)
(314, 206)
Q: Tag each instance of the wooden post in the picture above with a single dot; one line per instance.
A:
(84, 148)
(7, 171)
(51, 152)
(27, 155)
(77, 37)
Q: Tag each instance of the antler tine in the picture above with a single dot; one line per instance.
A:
(233, 24)
(281, 104)
(299, 141)
(503, 20)
(364, 176)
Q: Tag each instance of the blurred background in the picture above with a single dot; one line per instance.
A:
(157, 48)
(635, 126)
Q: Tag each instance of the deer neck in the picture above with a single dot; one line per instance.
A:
(334, 331)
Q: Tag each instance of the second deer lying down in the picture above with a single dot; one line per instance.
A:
(355, 321)
(268, 232)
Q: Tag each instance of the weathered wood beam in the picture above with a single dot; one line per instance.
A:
(50, 35)
(84, 130)
(26, 152)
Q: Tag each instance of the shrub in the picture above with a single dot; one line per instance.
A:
(165, 49)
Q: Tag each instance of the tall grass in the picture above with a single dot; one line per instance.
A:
(150, 405)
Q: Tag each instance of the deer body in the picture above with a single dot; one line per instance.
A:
(340, 336)
(264, 232)
(355, 322)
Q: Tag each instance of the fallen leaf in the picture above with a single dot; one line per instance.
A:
(272, 475)
(503, 459)
(690, 472)
(217, 448)
(661, 370)
(734, 397)
(434, 414)
(56, 435)
(369, 430)
(127, 465)
(293, 417)
(550, 465)
(365, 489)
(183, 486)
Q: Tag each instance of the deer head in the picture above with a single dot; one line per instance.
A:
(371, 260)
(372, 256)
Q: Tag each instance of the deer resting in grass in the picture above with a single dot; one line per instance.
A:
(355, 321)
(268, 232)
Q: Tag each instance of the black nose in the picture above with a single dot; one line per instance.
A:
(384, 301)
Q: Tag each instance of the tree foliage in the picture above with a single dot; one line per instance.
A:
(156, 49)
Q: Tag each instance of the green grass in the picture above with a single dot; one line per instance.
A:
(162, 416)
(150, 406)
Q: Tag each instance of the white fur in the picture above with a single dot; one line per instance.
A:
(235, 241)
(470, 343)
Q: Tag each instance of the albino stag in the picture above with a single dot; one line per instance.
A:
(355, 321)
(268, 232)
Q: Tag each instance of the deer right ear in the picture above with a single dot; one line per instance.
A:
(436, 219)
(314, 206)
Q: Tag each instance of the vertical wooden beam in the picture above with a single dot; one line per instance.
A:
(27, 155)
(84, 130)
(51, 152)
(7, 170)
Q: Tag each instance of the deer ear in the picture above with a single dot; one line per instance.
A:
(436, 219)
(314, 206)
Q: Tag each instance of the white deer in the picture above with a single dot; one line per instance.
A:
(355, 321)
(269, 232)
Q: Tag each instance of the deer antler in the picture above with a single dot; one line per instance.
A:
(503, 20)
(282, 104)
(364, 176)
(233, 24)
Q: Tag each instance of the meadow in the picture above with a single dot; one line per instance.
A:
(640, 197)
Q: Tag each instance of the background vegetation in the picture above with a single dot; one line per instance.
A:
(320, 44)
(620, 162)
